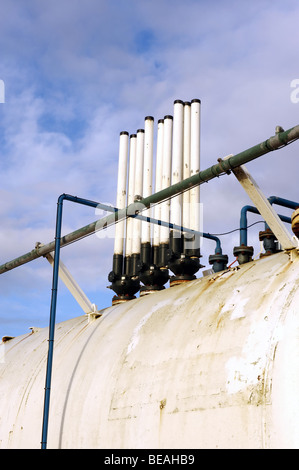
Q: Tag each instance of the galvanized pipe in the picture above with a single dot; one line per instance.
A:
(223, 166)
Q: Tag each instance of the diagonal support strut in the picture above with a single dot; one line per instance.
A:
(264, 207)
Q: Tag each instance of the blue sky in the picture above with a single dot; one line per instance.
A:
(77, 73)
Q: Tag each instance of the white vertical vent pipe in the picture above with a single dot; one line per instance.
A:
(166, 174)
(130, 200)
(186, 162)
(158, 178)
(147, 174)
(121, 191)
(195, 165)
(177, 162)
(138, 189)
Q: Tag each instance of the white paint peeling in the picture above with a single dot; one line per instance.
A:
(236, 303)
(238, 311)
(242, 372)
(257, 356)
(135, 336)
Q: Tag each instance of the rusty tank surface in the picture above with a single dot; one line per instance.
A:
(213, 363)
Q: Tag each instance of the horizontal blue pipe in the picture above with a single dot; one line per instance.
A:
(99, 205)
(280, 201)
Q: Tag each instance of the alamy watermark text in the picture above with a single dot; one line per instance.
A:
(295, 93)
(2, 91)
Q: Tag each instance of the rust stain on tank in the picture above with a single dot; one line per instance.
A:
(162, 403)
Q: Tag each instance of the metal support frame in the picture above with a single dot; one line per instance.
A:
(87, 306)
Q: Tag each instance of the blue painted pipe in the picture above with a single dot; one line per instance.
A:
(280, 201)
(52, 323)
(53, 309)
(283, 202)
(243, 223)
(218, 249)
(245, 209)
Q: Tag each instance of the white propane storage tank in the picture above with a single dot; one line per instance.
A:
(213, 363)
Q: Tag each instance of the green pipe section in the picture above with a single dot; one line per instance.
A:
(223, 166)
